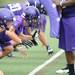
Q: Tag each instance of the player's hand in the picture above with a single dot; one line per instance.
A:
(27, 43)
(34, 38)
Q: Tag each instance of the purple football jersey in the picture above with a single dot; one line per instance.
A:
(16, 8)
(54, 19)
(18, 24)
(4, 40)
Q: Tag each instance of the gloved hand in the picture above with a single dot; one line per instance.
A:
(33, 40)
(27, 43)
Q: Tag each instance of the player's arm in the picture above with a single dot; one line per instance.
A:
(13, 36)
(25, 37)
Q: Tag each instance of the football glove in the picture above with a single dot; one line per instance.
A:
(33, 40)
(27, 43)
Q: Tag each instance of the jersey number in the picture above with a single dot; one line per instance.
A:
(15, 7)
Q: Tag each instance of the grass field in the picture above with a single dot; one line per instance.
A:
(36, 56)
(20, 65)
(10, 1)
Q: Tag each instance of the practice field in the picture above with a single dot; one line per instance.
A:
(28, 64)
(23, 65)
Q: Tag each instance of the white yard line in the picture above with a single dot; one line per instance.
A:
(46, 62)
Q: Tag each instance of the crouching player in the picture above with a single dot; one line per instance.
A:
(7, 32)
(26, 39)
(18, 25)
(37, 21)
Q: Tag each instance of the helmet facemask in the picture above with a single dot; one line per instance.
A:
(32, 21)
(6, 23)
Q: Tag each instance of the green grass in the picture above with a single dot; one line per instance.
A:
(10, 1)
(51, 68)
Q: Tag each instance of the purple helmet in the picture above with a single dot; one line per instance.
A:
(5, 15)
(38, 5)
(31, 15)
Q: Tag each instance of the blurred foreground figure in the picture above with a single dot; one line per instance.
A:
(1, 73)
